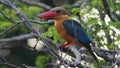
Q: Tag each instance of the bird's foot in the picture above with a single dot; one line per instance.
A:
(67, 45)
(64, 44)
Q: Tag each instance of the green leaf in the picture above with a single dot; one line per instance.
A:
(118, 37)
(42, 60)
(115, 24)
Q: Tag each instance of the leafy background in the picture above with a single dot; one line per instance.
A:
(104, 32)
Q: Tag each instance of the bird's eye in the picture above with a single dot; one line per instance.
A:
(58, 11)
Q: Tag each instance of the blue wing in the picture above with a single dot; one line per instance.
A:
(74, 29)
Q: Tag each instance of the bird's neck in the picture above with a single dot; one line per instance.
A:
(59, 19)
(58, 24)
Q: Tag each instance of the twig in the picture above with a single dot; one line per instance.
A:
(17, 38)
(34, 30)
(4, 61)
(98, 51)
(7, 17)
(27, 23)
(106, 54)
(12, 65)
(108, 11)
(37, 22)
(29, 66)
(15, 24)
(116, 62)
(9, 28)
(35, 3)
(79, 3)
(77, 54)
(31, 28)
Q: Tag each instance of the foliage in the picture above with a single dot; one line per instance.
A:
(43, 60)
(30, 11)
(3, 67)
(92, 16)
(53, 34)
(102, 63)
(103, 31)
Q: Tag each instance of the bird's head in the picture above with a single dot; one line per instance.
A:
(53, 13)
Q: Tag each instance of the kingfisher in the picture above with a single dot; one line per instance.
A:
(70, 30)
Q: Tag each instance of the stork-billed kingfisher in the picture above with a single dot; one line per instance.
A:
(69, 29)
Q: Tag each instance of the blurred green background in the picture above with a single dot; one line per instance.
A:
(92, 15)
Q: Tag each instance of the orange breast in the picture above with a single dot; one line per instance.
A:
(62, 32)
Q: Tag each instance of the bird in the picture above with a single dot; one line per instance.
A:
(70, 30)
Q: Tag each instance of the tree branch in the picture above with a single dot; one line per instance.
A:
(17, 38)
(31, 28)
(27, 23)
(7, 17)
(108, 55)
(100, 52)
(109, 12)
(79, 3)
(39, 4)
(1, 33)
(47, 22)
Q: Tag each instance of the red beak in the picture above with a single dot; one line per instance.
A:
(48, 14)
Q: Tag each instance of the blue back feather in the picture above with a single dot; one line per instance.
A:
(74, 29)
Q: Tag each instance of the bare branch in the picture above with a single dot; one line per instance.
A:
(109, 12)
(17, 38)
(7, 17)
(4, 61)
(30, 27)
(79, 3)
(100, 52)
(28, 66)
(37, 22)
(108, 55)
(1, 33)
(39, 4)
(27, 23)
(77, 54)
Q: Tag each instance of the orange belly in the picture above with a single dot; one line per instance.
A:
(67, 37)
(61, 31)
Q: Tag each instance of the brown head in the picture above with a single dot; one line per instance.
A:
(54, 13)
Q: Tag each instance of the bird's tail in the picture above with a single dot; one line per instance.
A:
(92, 54)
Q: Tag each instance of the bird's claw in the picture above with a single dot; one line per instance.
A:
(64, 44)
(67, 45)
